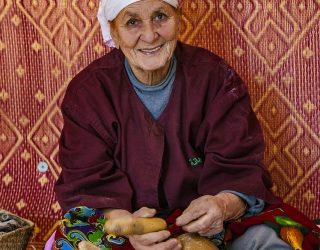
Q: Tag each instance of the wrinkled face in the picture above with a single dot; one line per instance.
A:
(147, 33)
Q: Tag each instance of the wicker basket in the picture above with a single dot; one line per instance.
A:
(17, 239)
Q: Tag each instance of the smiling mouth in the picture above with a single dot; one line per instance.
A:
(150, 51)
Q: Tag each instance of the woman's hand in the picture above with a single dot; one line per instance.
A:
(206, 214)
(156, 240)
(112, 213)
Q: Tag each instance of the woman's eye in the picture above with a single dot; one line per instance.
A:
(160, 17)
(132, 22)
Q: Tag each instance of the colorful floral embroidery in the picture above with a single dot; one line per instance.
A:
(85, 224)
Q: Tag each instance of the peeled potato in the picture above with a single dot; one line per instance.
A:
(191, 241)
(132, 226)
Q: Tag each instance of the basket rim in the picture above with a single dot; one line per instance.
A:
(29, 222)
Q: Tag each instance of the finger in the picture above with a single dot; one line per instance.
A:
(171, 244)
(145, 212)
(168, 245)
(190, 214)
(150, 238)
(201, 224)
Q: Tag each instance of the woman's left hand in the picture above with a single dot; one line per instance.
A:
(206, 214)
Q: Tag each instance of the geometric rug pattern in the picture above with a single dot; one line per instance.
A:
(274, 45)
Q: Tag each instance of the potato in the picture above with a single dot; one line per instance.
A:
(190, 241)
(132, 226)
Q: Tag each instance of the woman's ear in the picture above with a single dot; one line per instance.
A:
(114, 34)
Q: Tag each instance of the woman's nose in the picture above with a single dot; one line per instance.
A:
(149, 32)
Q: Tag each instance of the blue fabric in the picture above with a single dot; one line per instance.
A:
(259, 237)
(254, 205)
(155, 97)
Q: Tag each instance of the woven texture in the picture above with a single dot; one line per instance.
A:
(273, 45)
(16, 239)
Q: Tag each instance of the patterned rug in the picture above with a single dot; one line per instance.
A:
(273, 45)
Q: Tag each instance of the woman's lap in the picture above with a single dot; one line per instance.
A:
(259, 237)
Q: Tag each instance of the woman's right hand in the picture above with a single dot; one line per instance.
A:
(156, 240)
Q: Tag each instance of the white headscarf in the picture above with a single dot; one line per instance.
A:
(109, 9)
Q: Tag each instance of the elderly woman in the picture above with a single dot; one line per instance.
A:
(156, 125)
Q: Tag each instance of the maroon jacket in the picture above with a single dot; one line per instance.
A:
(114, 154)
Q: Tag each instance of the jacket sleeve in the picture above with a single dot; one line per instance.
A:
(234, 145)
(89, 175)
